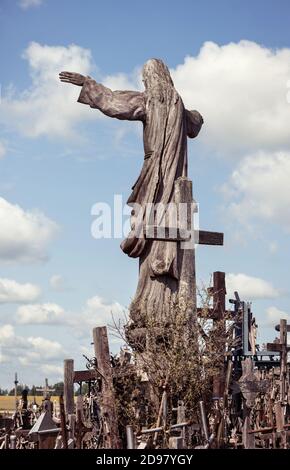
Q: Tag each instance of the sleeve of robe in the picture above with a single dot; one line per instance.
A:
(194, 121)
(129, 105)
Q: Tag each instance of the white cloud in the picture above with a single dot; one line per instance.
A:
(273, 247)
(13, 292)
(49, 107)
(31, 350)
(2, 150)
(46, 348)
(121, 81)
(52, 370)
(9, 340)
(37, 354)
(3, 359)
(96, 313)
(241, 91)
(42, 314)
(260, 190)
(25, 4)
(274, 315)
(249, 287)
(24, 235)
(57, 283)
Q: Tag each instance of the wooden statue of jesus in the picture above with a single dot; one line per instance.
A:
(166, 126)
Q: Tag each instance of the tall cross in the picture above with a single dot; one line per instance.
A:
(185, 234)
(282, 348)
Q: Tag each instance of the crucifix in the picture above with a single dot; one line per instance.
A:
(166, 262)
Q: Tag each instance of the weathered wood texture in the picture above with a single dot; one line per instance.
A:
(209, 238)
(84, 375)
(186, 251)
(108, 407)
(63, 422)
(69, 386)
(218, 313)
(283, 357)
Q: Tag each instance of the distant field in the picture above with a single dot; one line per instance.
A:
(8, 403)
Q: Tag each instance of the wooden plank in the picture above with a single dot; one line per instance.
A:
(247, 437)
(84, 375)
(277, 328)
(102, 354)
(279, 415)
(69, 386)
(274, 347)
(209, 238)
(186, 253)
(202, 237)
(268, 429)
(63, 423)
(283, 360)
(219, 294)
(219, 307)
(166, 233)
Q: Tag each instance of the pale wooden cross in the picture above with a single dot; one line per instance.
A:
(46, 390)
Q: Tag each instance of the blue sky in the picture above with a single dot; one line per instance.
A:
(229, 60)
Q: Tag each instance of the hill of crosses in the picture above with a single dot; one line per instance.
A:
(190, 374)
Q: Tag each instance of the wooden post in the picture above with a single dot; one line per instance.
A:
(80, 428)
(102, 354)
(69, 386)
(248, 439)
(219, 307)
(283, 358)
(130, 437)
(203, 420)
(186, 250)
(63, 423)
(176, 443)
(181, 417)
(13, 441)
(219, 294)
(6, 440)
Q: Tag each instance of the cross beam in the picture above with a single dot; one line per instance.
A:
(174, 234)
(282, 348)
(45, 389)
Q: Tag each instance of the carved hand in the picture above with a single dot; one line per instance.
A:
(72, 77)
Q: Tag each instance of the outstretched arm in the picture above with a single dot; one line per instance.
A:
(128, 105)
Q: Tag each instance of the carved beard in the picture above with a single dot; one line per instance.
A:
(158, 82)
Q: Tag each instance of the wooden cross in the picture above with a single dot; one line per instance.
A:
(181, 210)
(186, 236)
(218, 292)
(46, 390)
(282, 348)
(178, 234)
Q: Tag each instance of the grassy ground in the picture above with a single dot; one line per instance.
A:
(8, 403)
